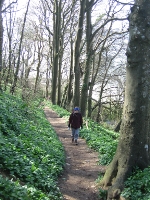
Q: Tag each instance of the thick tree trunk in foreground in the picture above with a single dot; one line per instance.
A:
(133, 147)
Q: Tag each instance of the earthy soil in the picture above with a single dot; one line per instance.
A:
(78, 180)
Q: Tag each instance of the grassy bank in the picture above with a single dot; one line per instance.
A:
(31, 155)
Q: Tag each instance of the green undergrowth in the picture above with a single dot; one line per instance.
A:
(104, 141)
(101, 140)
(31, 155)
(137, 185)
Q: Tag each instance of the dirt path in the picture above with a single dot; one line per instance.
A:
(81, 171)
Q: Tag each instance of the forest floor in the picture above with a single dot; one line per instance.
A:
(78, 180)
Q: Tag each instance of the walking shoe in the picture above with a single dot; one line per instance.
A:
(72, 139)
(76, 142)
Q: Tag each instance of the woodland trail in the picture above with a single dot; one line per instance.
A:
(77, 181)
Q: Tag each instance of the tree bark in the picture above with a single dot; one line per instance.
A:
(56, 46)
(89, 53)
(59, 79)
(76, 95)
(12, 90)
(133, 146)
(117, 128)
(9, 25)
(1, 40)
(40, 57)
(70, 82)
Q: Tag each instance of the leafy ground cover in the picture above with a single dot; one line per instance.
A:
(105, 141)
(31, 155)
(138, 185)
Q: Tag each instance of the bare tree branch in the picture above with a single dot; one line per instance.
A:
(130, 4)
(4, 10)
(106, 22)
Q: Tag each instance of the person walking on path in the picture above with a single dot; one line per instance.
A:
(76, 122)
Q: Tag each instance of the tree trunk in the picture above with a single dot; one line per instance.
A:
(40, 47)
(12, 90)
(117, 128)
(76, 95)
(64, 97)
(47, 82)
(26, 77)
(49, 60)
(91, 85)
(89, 53)
(59, 79)
(1, 40)
(70, 88)
(56, 43)
(61, 52)
(95, 71)
(133, 146)
(10, 49)
(89, 110)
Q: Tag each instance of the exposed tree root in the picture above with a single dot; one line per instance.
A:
(114, 179)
